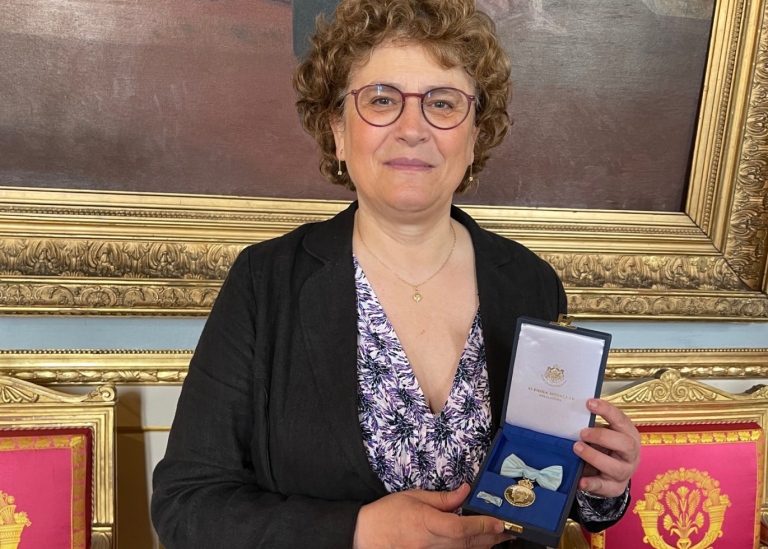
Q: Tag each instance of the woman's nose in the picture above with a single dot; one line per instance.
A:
(412, 123)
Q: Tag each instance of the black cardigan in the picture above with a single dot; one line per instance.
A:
(265, 450)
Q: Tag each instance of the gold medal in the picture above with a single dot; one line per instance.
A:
(520, 494)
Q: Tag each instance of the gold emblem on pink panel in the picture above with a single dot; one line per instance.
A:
(554, 376)
(681, 498)
(11, 522)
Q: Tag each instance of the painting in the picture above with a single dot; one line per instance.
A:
(195, 97)
(141, 150)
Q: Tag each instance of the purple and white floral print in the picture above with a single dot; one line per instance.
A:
(407, 445)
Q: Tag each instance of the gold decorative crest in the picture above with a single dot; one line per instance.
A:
(681, 498)
(554, 375)
(11, 522)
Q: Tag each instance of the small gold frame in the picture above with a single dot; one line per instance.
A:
(671, 399)
(26, 405)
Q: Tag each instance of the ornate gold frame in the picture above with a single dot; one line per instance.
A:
(170, 367)
(24, 404)
(74, 252)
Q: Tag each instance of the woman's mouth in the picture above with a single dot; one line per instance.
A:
(408, 164)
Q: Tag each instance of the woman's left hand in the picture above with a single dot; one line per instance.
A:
(612, 453)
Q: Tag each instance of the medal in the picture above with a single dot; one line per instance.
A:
(520, 494)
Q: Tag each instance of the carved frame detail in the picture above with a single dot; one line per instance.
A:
(89, 367)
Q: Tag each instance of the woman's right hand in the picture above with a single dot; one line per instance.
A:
(420, 519)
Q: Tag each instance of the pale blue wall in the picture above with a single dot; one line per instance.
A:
(33, 332)
(683, 335)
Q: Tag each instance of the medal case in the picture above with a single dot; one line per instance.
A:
(555, 368)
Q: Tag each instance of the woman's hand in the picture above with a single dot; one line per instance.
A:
(422, 519)
(612, 454)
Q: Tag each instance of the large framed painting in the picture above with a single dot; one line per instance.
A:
(143, 144)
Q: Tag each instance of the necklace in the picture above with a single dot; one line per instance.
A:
(416, 294)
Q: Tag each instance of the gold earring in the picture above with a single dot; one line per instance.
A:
(470, 174)
(339, 172)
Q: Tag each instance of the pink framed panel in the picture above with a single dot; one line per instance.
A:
(46, 482)
(697, 486)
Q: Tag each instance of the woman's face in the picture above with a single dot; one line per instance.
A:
(408, 166)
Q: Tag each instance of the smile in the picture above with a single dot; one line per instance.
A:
(408, 164)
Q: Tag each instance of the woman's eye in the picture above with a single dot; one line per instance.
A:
(440, 105)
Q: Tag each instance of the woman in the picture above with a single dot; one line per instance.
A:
(352, 372)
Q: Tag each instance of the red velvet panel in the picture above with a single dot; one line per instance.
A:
(48, 473)
(697, 487)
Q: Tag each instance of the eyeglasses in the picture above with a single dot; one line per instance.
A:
(381, 105)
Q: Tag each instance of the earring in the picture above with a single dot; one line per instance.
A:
(470, 174)
(339, 172)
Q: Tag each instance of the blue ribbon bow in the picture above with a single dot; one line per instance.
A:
(549, 477)
(490, 498)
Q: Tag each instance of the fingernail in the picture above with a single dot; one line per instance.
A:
(499, 528)
(578, 447)
(592, 404)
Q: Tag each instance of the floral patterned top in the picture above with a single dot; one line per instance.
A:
(407, 445)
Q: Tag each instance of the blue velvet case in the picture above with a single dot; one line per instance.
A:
(571, 353)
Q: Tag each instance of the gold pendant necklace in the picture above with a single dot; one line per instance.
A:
(416, 293)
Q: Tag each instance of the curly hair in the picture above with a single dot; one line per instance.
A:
(452, 31)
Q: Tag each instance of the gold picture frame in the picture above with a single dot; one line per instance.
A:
(83, 252)
(25, 405)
